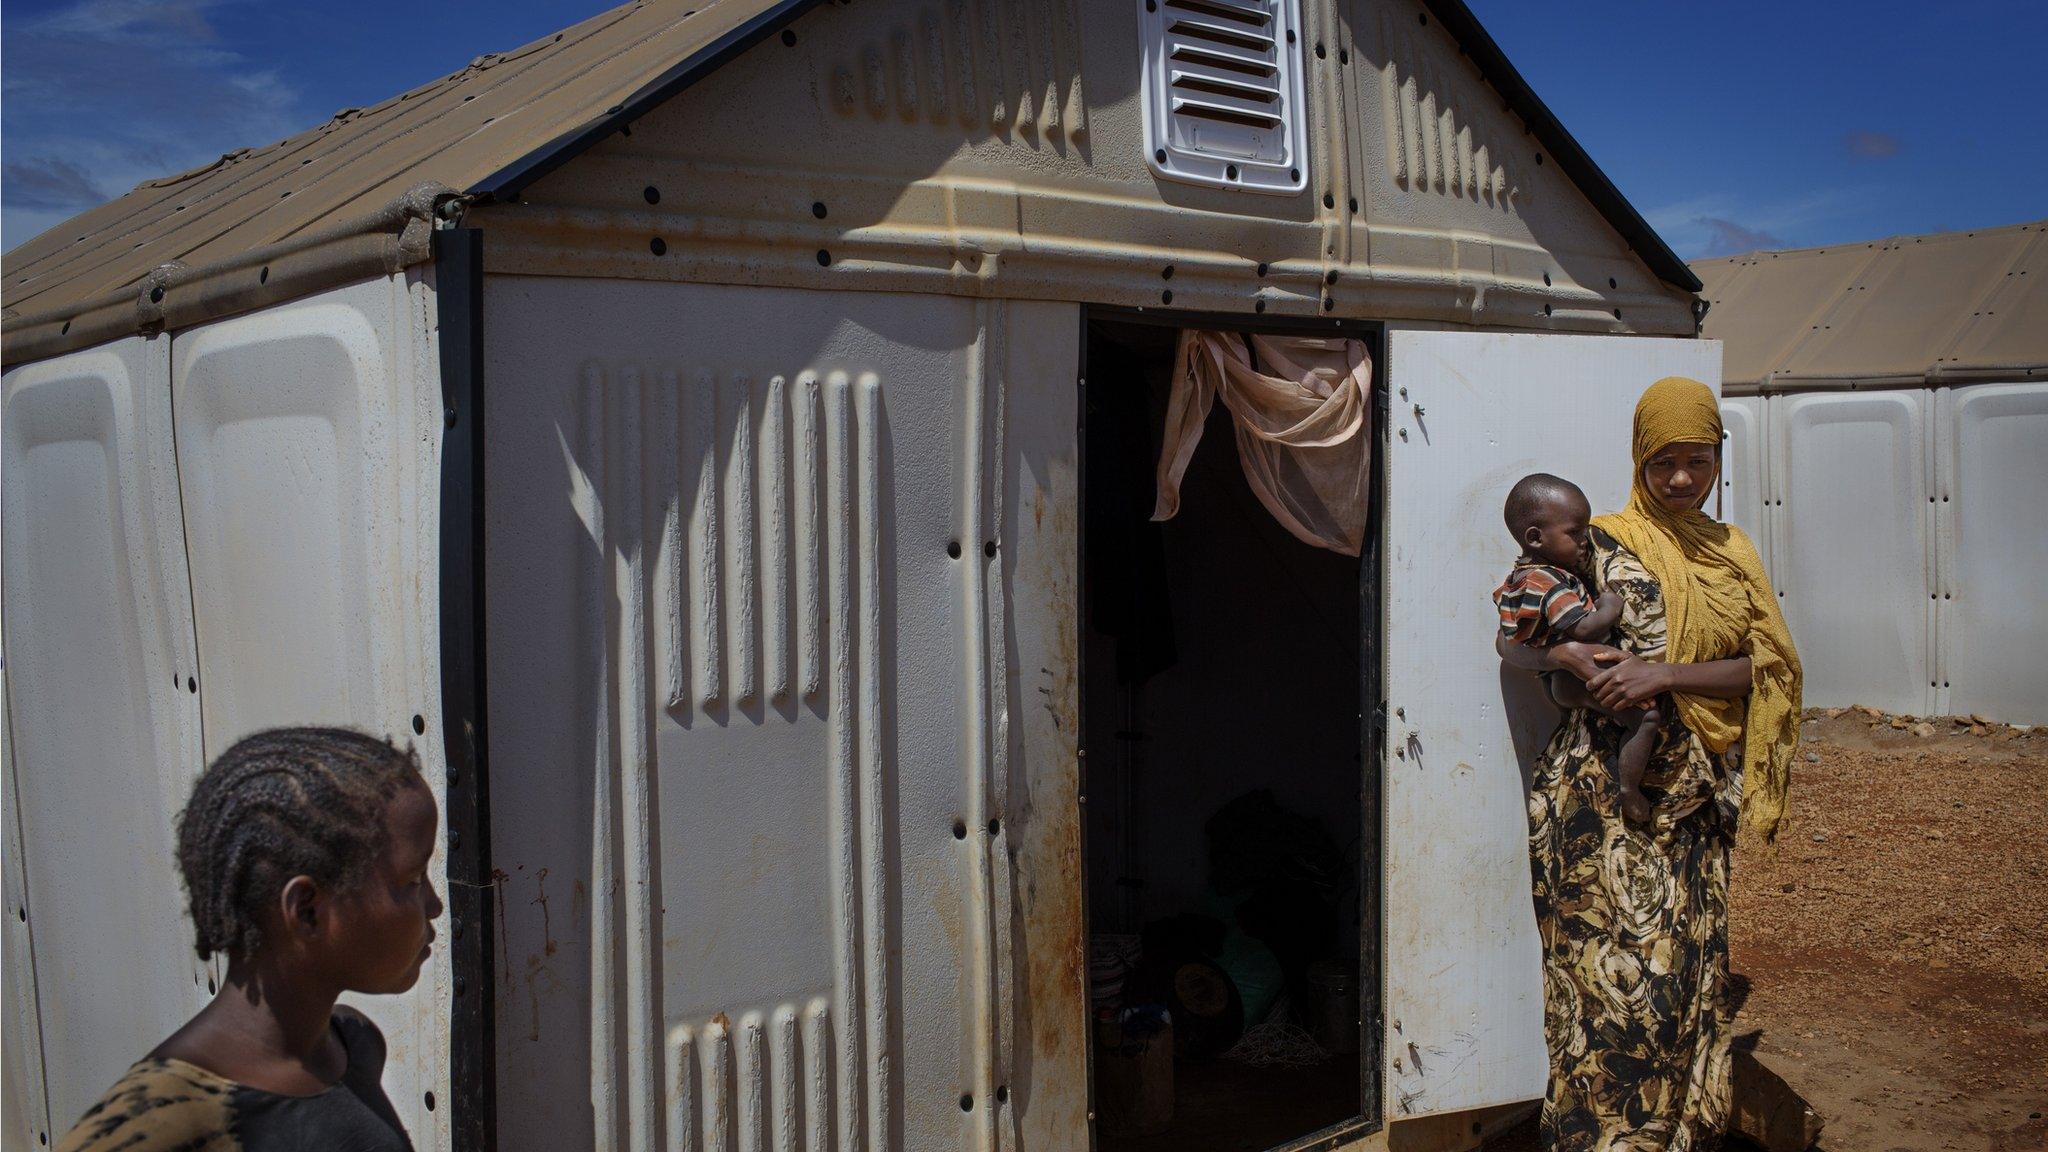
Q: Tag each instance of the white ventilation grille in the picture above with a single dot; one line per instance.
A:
(1223, 101)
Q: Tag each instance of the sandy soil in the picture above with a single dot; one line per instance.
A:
(1895, 941)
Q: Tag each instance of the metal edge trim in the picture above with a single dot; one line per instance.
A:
(1373, 740)
(458, 270)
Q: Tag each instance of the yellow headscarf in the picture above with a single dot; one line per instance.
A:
(1718, 604)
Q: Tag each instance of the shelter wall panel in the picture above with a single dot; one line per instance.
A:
(994, 156)
(1853, 562)
(991, 65)
(742, 695)
(308, 450)
(1434, 149)
(1745, 483)
(1993, 544)
(103, 734)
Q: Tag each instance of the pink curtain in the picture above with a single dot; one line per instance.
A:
(1301, 424)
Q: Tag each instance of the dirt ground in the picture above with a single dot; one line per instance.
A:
(1894, 943)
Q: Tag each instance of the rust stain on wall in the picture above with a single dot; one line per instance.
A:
(547, 930)
(1051, 897)
(498, 878)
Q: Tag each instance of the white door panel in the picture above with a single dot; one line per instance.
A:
(1744, 484)
(1471, 414)
(1849, 483)
(103, 728)
(1993, 512)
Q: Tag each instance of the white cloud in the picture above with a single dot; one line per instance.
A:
(1722, 224)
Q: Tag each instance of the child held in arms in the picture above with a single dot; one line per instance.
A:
(305, 855)
(1545, 600)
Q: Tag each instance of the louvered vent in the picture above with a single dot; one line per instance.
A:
(1223, 101)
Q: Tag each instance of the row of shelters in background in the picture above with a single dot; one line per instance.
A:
(1887, 407)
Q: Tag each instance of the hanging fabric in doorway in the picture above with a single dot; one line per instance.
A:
(1300, 413)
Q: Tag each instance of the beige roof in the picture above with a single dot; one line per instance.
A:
(347, 180)
(1950, 306)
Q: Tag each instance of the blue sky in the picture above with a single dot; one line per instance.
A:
(1731, 126)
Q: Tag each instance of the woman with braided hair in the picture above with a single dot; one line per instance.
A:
(305, 854)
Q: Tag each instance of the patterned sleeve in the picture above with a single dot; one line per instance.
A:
(1642, 629)
(158, 1106)
(1538, 603)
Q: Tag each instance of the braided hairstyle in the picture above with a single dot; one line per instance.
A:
(283, 803)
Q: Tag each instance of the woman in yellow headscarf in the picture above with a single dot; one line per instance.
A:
(1634, 919)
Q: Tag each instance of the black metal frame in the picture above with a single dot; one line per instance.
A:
(1372, 691)
(458, 282)
(1372, 714)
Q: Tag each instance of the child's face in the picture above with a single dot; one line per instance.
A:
(1558, 533)
(380, 933)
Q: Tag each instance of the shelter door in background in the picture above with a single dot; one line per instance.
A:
(1470, 414)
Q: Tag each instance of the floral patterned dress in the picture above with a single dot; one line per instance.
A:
(1634, 920)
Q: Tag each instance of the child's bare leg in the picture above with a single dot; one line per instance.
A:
(1642, 727)
(1568, 691)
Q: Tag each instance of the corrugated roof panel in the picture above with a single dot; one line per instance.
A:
(454, 131)
(1950, 305)
(1765, 305)
(1907, 307)
(2011, 328)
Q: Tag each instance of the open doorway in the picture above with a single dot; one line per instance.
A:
(1224, 775)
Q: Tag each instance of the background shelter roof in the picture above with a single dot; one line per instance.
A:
(1946, 307)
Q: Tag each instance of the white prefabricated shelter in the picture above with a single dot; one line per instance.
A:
(702, 432)
(1887, 404)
